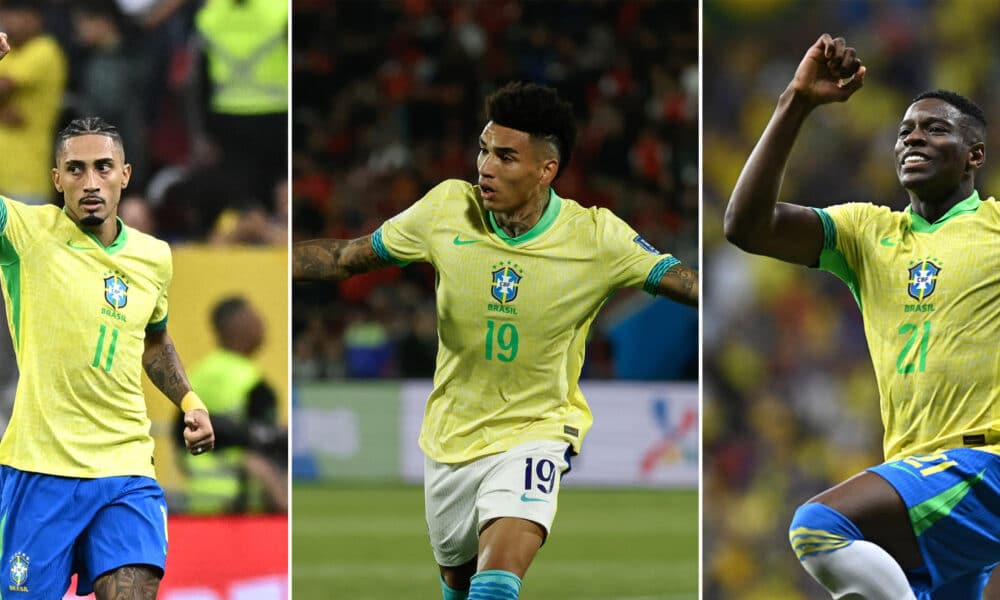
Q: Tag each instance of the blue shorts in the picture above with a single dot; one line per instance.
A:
(55, 526)
(953, 498)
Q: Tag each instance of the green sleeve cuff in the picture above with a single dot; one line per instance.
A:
(157, 326)
(379, 247)
(657, 272)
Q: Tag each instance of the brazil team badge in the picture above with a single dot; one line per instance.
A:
(922, 280)
(505, 283)
(19, 572)
(115, 292)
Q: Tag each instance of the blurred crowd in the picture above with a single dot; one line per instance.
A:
(388, 102)
(198, 90)
(789, 398)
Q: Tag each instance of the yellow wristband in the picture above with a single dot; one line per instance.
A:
(191, 401)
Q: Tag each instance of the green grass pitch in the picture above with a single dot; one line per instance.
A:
(370, 543)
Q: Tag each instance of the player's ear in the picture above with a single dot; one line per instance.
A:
(549, 169)
(977, 155)
(126, 174)
(55, 180)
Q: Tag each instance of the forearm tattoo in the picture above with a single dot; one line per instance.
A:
(166, 371)
(680, 284)
(131, 582)
(334, 259)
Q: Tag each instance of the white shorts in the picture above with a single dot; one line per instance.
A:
(460, 498)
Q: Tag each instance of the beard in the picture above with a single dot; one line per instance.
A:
(91, 220)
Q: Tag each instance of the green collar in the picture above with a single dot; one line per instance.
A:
(920, 224)
(548, 218)
(116, 244)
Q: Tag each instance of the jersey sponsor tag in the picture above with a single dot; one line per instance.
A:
(573, 431)
(645, 245)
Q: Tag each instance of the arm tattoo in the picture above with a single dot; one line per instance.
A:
(334, 259)
(131, 582)
(680, 284)
(164, 368)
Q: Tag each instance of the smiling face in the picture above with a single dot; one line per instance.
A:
(936, 149)
(514, 169)
(91, 173)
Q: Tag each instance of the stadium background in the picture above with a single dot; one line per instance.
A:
(142, 50)
(790, 401)
(387, 101)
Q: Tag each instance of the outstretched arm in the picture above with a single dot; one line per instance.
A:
(164, 368)
(680, 284)
(334, 259)
(755, 220)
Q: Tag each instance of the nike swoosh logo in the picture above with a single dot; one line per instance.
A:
(75, 247)
(459, 242)
(888, 241)
(526, 498)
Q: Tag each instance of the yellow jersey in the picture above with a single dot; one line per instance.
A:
(929, 295)
(78, 313)
(513, 314)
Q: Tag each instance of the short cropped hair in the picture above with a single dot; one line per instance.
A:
(225, 310)
(969, 109)
(538, 111)
(87, 126)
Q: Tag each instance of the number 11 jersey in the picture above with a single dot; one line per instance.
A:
(78, 313)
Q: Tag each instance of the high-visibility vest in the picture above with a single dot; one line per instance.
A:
(247, 48)
(223, 380)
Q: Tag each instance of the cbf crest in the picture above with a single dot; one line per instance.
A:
(506, 281)
(19, 572)
(922, 279)
(115, 291)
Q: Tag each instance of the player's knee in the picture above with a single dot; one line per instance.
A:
(817, 529)
(129, 581)
(458, 578)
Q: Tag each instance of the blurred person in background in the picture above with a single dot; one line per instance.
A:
(239, 92)
(32, 81)
(136, 212)
(550, 264)
(246, 473)
(925, 523)
(255, 224)
(110, 75)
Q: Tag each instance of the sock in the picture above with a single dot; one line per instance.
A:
(832, 550)
(449, 594)
(495, 585)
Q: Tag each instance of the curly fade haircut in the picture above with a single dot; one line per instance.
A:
(538, 111)
(973, 115)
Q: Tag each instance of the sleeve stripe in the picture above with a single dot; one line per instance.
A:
(157, 326)
(659, 269)
(379, 247)
(829, 229)
(3, 214)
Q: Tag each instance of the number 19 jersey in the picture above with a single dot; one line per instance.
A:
(78, 313)
(513, 314)
(929, 295)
